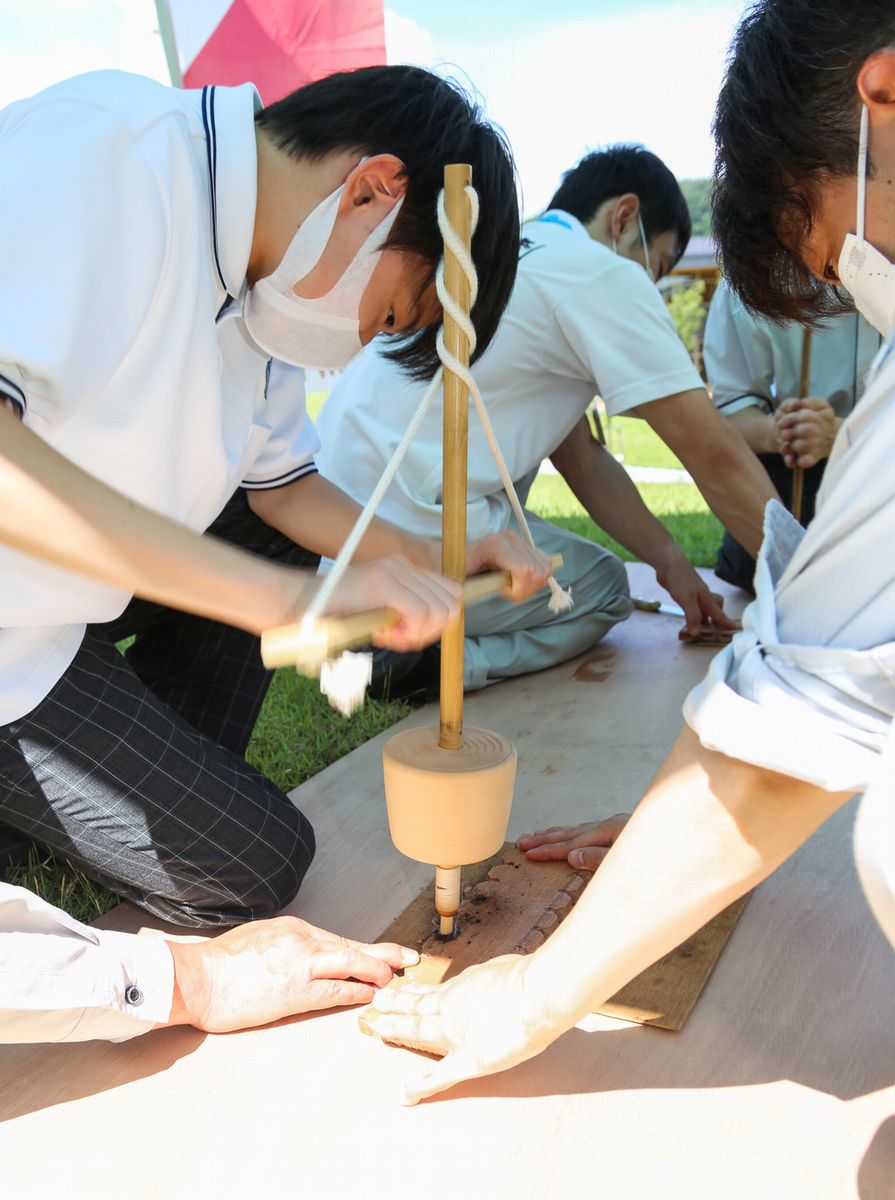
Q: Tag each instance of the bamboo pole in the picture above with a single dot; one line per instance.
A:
(169, 44)
(798, 473)
(457, 176)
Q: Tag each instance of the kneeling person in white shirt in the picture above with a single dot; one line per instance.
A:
(585, 317)
(162, 253)
(61, 980)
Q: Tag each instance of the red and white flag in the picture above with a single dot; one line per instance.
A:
(278, 45)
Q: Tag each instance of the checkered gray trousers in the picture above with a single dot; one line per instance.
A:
(132, 766)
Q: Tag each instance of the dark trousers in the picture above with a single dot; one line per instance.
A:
(132, 766)
(735, 564)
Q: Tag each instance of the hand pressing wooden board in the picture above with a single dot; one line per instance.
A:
(510, 905)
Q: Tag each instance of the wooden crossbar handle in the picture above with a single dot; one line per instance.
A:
(308, 649)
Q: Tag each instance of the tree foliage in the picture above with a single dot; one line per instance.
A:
(696, 193)
(688, 313)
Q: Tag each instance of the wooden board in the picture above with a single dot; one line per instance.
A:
(788, 1060)
(666, 993)
(510, 905)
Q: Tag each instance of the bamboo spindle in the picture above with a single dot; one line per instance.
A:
(457, 177)
(798, 473)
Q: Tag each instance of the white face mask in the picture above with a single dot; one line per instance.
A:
(863, 270)
(325, 332)
(646, 262)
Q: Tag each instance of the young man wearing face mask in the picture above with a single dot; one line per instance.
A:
(585, 317)
(795, 716)
(159, 246)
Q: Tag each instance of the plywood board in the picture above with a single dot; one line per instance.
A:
(666, 993)
(511, 904)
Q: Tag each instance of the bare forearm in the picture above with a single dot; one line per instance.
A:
(610, 497)
(53, 510)
(708, 829)
(734, 483)
(758, 429)
(316, 514)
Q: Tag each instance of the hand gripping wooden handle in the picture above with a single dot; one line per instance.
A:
(307, 648)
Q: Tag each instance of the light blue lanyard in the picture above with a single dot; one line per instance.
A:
(553, 219)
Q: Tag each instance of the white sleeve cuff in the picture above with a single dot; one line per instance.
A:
(618, 401)
(735, 404)
(61, 980)
(141, 974)
(281, 479)
(787, 736)
(11, 387)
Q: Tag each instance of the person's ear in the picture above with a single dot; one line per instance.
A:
(876, 81)
(373, 188)
(370, 192)
(625, 211)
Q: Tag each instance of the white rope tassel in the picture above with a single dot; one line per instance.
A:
(344, 680)
(560, 600)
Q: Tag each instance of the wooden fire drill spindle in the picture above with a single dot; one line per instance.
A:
(455, 448)
(449, 791)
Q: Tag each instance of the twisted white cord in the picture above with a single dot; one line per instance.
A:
(559, 600)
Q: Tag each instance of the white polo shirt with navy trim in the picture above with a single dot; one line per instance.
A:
(126, 223)
(581, 321)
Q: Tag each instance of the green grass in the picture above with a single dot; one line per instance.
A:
(60, 883)
(679, 506)
(314, 403)
(298, 734)
(638, 444)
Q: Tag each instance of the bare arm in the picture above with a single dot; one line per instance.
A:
(653, 890)
(319, 516)
(612, 500)
(53, 510)
(316, 514)
(735, 485)
(741, 823)
(758, 428)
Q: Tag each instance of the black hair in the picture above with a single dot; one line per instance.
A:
(615, 170)
(786, 123)
(427, 122)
